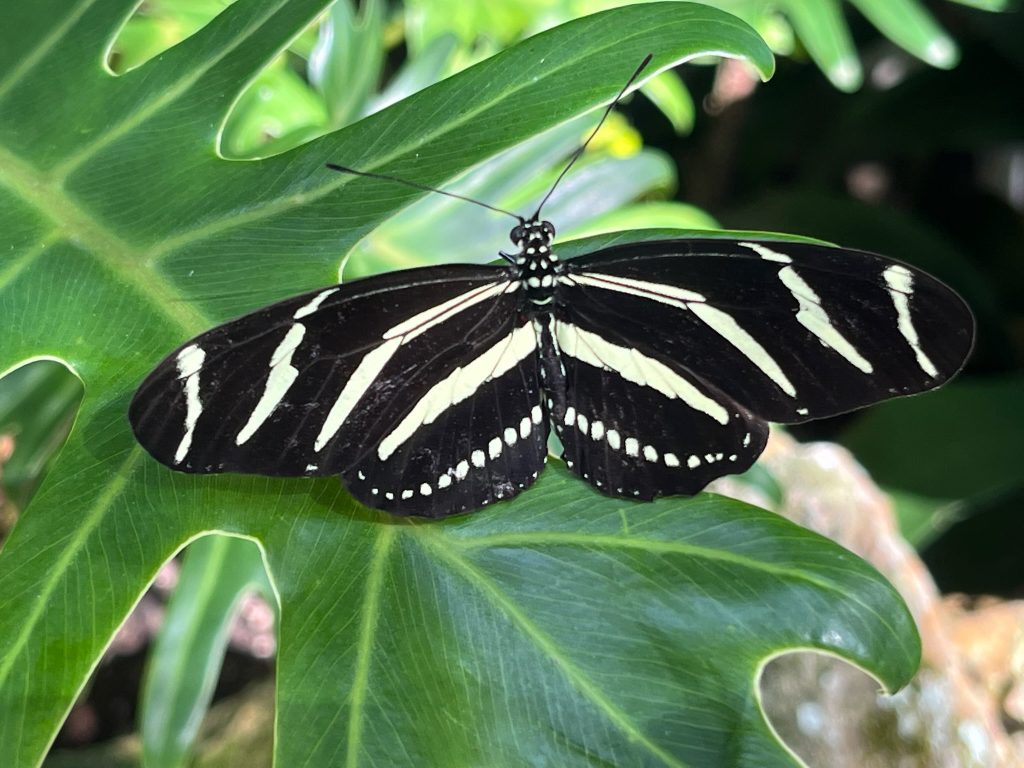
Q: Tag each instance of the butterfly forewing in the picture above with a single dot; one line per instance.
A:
(791, 331)
(382, 381)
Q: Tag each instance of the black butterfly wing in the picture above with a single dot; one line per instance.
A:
(459, 436)
(793, 331)
(393, 382)
(768, 331)
(638, 426)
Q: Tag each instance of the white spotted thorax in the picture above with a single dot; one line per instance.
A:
(538, 266)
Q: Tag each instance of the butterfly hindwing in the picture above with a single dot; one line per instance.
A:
(636, 426)
(471, 435)
(792, 331)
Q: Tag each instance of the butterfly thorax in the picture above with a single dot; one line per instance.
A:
(538, 266)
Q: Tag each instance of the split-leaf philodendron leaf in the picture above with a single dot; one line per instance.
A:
(563, 628)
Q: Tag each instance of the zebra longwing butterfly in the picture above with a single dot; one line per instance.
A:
(431, 391)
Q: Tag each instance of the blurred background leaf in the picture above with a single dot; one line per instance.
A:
(216, 572)
(345, 65)
(818, 29)
(38, 402)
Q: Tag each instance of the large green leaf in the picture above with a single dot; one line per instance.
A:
(563, 628)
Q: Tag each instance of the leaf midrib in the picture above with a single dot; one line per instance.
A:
(367, 633)
(605, 541)
(113, 253)
(438, 546)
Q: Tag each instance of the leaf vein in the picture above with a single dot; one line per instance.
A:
(364, 652)
(78, 225)
(477, 578)
(45, 45)
(86, 524)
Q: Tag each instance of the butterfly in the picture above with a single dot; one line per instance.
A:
(658, 365)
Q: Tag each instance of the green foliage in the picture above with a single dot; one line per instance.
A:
(563, 625)
(37, 405)
(185, 662)
(818, 26)
(346, 62)
(975, 427)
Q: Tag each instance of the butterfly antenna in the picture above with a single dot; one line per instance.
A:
(424, 187)
(576, 155)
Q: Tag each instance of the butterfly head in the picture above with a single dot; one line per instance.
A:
(533, 233)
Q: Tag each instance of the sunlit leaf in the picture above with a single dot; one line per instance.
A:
(910, 26)
(658, 215)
